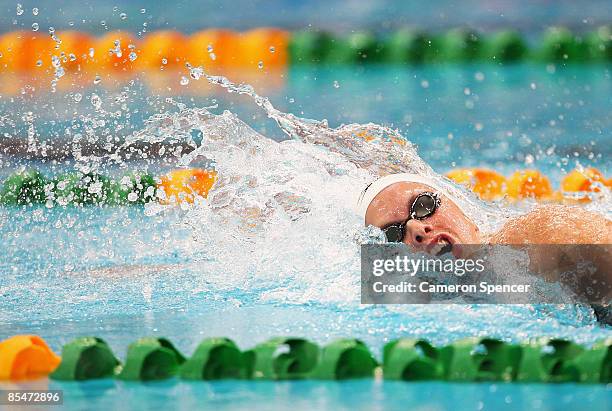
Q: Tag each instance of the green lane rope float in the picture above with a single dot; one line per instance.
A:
(560, 44)
(407, 46)
(345, 359)
(282, 359)
(504, 46)
(552, 360)
(289, 358)
(86, 358)
(599, 44)
(151, 359)
(480, 359)
(30, 187)
(458, 45)
(23, 188)
(411, 360)
(215, 359)
(594, 365)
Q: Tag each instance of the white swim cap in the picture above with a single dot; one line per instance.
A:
(372, 190)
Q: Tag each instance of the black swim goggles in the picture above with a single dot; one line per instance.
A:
(423, 206)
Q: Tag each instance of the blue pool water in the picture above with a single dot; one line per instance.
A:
(123, 273)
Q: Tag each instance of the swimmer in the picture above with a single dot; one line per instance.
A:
(413, 209)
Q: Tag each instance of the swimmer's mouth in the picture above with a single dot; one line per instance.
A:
(440, 245)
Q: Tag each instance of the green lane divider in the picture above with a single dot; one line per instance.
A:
(30, 187)
(345, 359)
(407, 46)
(504, 46)
(592, 366)
(480, 359)
(151, 359)
(288, 358)
(310, 47)
(411, 360)
(83, 189)
(86, 358)
(215, 359)
(355, 48)
(547, 361)
(599, 44)
(458, 45)
(282, 359)
(24, 188)
(560, 44)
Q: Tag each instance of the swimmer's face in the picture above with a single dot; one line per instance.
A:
(446, 226)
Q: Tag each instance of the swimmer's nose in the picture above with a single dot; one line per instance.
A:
(418, 232)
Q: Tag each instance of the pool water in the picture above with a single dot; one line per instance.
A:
(126, 272)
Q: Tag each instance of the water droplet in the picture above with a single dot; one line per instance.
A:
(132, 197)
(72, 57)
(55, 61)
(479, 126)
(91, 52)
(132, 56)
(103, 22)
(164, 61)
(467, 91)
(97, 80)
(35, 11)
(117, 50)
(184, 81)
(123, 16)
(96, 101)
(272, 49)
(77, 97)
(479, 76)
(19, 9)
(292, 100)
(51, 30)
(260, 64)
(213, 56)
(209, 48)
(336, 84)
(39, 63)
(196, 73)
(425, 84)
(533, 86)
(143, 11)
(35, 26)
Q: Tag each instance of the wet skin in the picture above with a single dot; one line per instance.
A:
(548, 224)
(446, 224)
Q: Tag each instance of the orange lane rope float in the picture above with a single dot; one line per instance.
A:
(26, 357)
(183, 185)
(529, 184)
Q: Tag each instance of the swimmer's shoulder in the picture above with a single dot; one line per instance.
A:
(556, 224)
